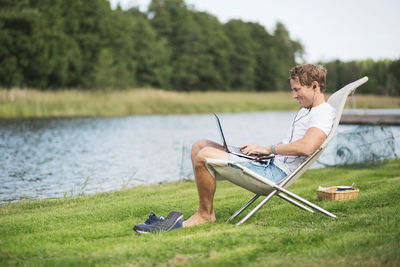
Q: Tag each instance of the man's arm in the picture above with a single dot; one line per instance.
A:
(313, 139)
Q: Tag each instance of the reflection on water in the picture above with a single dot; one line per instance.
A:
(52, 158)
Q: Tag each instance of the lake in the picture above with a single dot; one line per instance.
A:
(54, 158)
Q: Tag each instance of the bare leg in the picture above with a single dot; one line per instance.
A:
(200, 144)
(205, 182)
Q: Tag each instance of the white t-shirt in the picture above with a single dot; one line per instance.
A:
(321, 116)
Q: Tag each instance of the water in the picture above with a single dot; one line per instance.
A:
(53, 158)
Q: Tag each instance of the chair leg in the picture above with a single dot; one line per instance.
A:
(259, 206)
(278, 188)
(308, 203)
(243, 207)
(288, 199)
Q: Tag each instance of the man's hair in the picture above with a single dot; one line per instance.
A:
(307, 73)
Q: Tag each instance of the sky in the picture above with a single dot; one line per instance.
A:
(328, 30)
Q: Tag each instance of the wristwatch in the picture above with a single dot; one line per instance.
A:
(273, 149)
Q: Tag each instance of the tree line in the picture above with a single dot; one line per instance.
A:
(55, 44)
(384, 75)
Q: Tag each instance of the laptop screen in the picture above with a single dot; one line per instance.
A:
(222, 133)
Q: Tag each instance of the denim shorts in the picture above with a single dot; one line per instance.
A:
(268, 169)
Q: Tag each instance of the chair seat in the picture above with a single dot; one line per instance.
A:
(227, 170)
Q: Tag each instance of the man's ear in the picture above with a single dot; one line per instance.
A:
(314, 85)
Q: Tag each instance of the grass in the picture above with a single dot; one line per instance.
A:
(24, 103)
(96, 230)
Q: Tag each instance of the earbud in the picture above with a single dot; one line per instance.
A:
(314, 87)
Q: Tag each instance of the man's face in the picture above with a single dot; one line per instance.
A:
(303, 94)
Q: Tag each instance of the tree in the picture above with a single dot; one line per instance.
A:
(85, 44)
(287, 51)
(17, 19)
(394, 78)
(265, 56)
(213, 53)
(242, 57)
(196, 42)
(151, 54)
(54, 57)
(85, 22)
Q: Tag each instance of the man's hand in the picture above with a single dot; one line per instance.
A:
(255, 149)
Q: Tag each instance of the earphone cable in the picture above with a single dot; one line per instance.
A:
(293, 123)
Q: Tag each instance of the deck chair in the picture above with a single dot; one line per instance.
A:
(261, 186)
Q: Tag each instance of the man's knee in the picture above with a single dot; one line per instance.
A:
(201, 156)
(204, 153)
(198, 145)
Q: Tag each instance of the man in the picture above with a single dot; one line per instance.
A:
(309, 129)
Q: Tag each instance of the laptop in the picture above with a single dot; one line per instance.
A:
(236, 150)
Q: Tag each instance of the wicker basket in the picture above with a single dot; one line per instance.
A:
(332, 194)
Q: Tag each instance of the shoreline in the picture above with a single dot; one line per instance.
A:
(350, 116)
(30, 103)
(80, 194)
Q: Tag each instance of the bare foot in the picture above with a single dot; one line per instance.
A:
(198, 219)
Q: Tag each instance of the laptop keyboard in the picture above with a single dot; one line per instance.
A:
(235, 149)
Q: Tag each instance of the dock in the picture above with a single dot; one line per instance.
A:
(379, 119)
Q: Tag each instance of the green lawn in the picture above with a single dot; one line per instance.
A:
(97, 229)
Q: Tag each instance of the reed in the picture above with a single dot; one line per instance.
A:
(25, 103)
